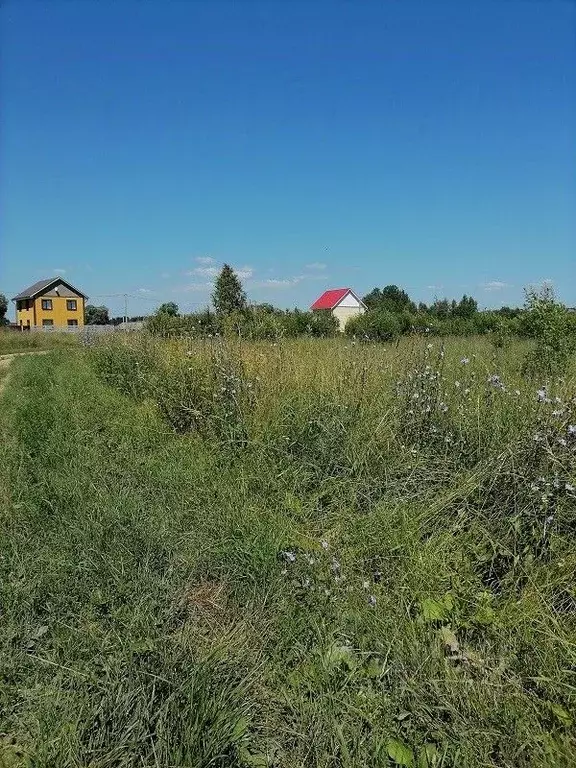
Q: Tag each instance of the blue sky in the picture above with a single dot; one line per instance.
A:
(309, 144)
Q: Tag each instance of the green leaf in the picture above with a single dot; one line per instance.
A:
(340, 654)
(400, 752)
(428, 756)
(239, 730)
(562, 715)
(437, 610)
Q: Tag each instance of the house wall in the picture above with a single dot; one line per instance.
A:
(59, 313)
(25, 316)
(343, 313)
(349, 301)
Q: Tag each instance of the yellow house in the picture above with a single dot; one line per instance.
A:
(50, 303)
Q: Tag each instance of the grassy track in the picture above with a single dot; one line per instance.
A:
(304, 554)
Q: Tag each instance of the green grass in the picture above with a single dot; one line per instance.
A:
(151, 616)
(16, 341)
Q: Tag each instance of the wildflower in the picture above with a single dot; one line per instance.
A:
(335, 567)
(496, 381)
(306, 583)
(517, 392)
(557, 413)
(571, 430)
(372, 601)
(365, 584)
(289, 556)
(456, 384)
(443, 407)
(377, 576)
(429, 346)
(542, 395)
(569, 487)
(465, 360)
(310, 559)
(284, 571)
(538, 438)
(561, 441)
(324, 544)
(466, 391)
(547, 522)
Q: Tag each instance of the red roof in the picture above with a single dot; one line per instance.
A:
(330, 299)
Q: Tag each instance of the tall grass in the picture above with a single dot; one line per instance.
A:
(17, 341)
(305, 553)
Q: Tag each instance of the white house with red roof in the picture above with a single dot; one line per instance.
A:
(342, 302)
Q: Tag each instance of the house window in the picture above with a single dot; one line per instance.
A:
(72, 322)
(46, 321)
(71, 306)
(46, 303)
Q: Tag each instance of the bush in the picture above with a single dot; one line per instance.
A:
(550, 324)
(377, 325)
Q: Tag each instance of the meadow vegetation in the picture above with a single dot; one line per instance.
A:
(293, 552)
(14, 342)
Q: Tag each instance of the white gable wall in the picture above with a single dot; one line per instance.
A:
(349, 300)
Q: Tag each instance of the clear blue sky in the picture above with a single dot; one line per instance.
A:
(309, 144)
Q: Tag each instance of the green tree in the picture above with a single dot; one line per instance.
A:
(3, 309)
(441, 309)
(168, 308)
(389, 299)
(96, 315)
(228, 294)
(466, 307)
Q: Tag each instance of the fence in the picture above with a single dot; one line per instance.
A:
(93, 330)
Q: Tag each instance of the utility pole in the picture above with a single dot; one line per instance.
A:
(125, 309)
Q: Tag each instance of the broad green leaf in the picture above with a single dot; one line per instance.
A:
(428, 756)
(562, 715)
(400, 752)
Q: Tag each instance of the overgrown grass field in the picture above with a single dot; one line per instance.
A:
(305, 553)
(14, 342)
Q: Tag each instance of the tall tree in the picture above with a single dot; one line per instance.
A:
(390, 298)
(3, 309)
(466, 307)
(228, 294)
(96, 315)
(168, 308)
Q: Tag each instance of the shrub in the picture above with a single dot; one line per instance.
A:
(377, 325)
(549, 323)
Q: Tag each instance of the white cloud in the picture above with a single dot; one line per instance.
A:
(59, 270)
(207, 286)
(495, 285)
(277, 282)
(244, 273)
(204, 271)
(435, 287)
(205, 260)
(315, 265)
(144, 290)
